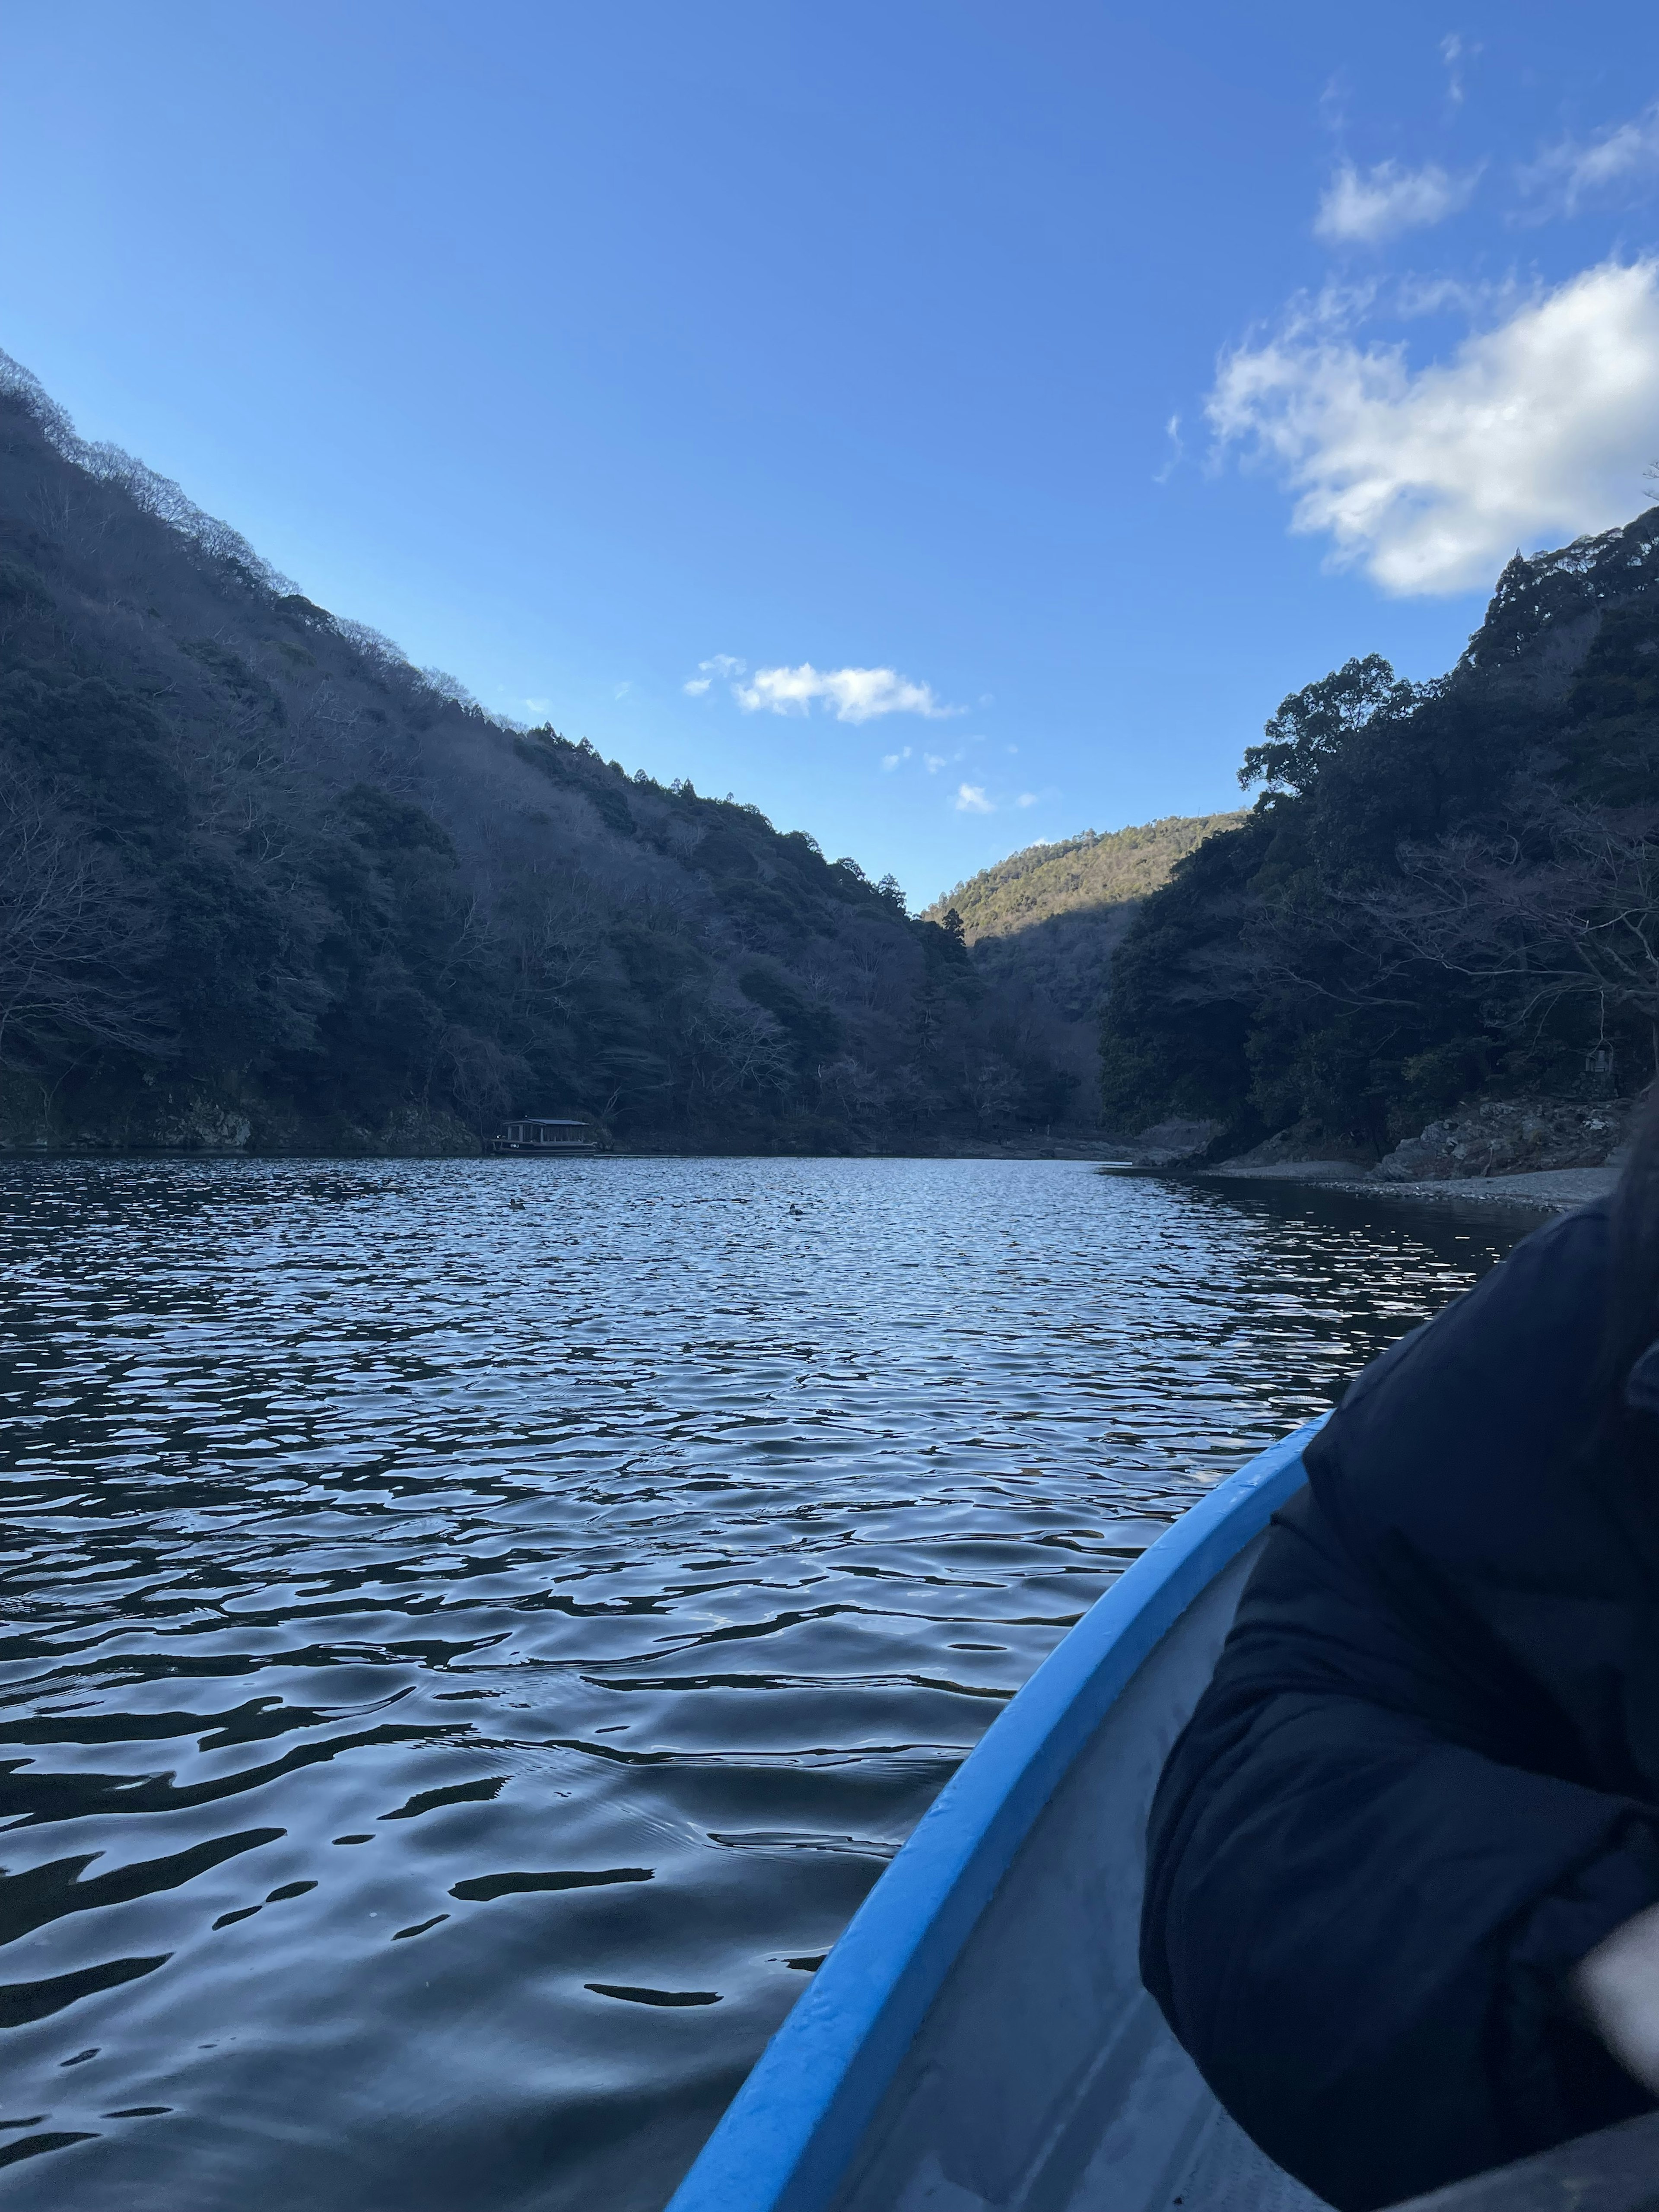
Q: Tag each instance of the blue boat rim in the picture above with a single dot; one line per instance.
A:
(792, 2129)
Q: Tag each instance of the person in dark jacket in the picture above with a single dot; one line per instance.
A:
(1402, 1893)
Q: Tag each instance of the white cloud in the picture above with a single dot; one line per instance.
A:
(1177, 451)
(622, 690)
(854, 695)
(934, 762)
(1623, 155)
(1533, 431)
(1453, 49)
(970, 799)
(1359, 211)
(891, 760)
(1026, 798)
(718, 664)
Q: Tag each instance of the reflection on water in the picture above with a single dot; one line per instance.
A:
(477, 1629)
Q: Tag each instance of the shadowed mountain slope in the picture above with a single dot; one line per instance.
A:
(264, 883)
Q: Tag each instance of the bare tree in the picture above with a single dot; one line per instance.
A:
(992, 1086)
(1563, 904)
(74, 939)
(733, 1046)
(852, 1086)
(482, 1079)
(559, 944)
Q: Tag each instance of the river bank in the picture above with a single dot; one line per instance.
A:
(1543, 1155)
(1547, 1190)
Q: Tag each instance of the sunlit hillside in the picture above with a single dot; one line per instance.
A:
(1043, 923)
(1091, 871)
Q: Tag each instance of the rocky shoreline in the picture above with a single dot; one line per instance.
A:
(1548, 1190)
(1546, 1155)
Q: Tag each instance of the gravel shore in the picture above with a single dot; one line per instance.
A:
(1548, 1190)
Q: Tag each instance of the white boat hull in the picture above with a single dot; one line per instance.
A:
(1044, 2078)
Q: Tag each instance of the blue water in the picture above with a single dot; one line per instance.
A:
(475, 1631)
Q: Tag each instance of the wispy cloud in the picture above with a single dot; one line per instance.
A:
(970, 799)
(1364, 210)
(890, 761)
(718, 664)
(1026, 798)
(622, 690)
(1177, 451)
(1534, 430)
(1454, 49)
(1478, 298)
(852, 695)
(1623, 159)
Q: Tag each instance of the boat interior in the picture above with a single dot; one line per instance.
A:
(1044, 2078)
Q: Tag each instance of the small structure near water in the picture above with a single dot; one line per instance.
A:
(542, 1135)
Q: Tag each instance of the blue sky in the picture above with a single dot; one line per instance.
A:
(945, 425)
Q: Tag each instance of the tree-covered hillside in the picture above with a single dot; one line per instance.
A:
(1043, 924)
(1097, 869)
(1444, 891)
(263, 882)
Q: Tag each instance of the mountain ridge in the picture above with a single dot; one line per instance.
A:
(265, 885)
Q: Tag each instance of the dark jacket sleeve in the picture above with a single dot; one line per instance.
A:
(1415, 1794)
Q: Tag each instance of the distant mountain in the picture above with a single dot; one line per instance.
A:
(1099, 868)
(1044, 922)
(264, 884)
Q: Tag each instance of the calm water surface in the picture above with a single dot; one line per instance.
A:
(476, 1630)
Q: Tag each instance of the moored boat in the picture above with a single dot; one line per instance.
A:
(980, 2038)
(547, 1137)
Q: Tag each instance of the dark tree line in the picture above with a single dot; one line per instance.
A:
(1442, 890)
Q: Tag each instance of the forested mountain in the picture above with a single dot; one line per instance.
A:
(1070, 875)
(1045, 921)
(263, 882)
(1444, 892)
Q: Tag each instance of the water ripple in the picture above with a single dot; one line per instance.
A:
(477, 1629)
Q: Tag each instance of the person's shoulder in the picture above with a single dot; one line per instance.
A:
(1551, 1291)
(1482, 1406)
